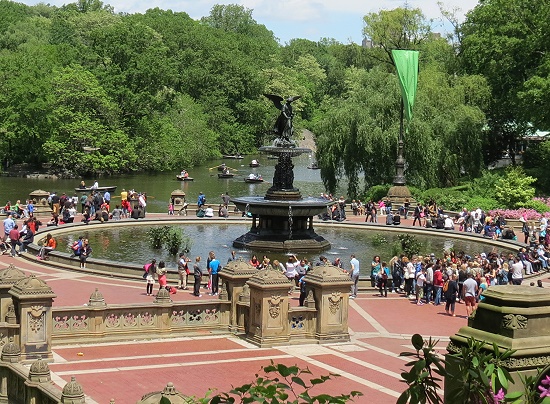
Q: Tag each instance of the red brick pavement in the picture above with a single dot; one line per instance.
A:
(370, 363)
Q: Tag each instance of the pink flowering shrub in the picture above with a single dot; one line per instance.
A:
(528, 214)
(546, 201)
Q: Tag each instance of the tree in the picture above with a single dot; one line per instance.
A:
(507, 43)
(86, 138)
(400, 28)
(514, 189)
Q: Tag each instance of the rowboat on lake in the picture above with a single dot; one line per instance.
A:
(233, 156)
(183, 178)
(225, 175)
(100, 189)
(253, 180)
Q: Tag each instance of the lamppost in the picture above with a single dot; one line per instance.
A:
(406, 64)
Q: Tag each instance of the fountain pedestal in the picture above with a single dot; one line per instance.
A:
(282, 220)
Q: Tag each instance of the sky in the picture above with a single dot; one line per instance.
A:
(309, 19)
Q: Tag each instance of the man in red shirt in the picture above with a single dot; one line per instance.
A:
(14, 241)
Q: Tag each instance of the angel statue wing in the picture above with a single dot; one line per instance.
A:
(276, 100)
(293, 98)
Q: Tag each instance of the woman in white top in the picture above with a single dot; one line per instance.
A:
(291, 269)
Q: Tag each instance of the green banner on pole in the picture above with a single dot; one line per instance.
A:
(406, 63)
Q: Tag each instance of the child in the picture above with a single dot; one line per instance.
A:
(171, 209)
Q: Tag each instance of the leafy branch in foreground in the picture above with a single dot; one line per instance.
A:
(281, 384)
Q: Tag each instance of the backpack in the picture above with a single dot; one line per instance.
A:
(446, 286)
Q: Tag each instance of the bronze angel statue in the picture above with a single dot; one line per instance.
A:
(283, 126)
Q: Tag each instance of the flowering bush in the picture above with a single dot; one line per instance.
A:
(528, 214)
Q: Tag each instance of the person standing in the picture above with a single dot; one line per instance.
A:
(517, 271)
(384, 276)
(213, 268)
(197, 274)
(438, 285)
(417, 215)
(14, 240)
(354, 273)
(161, 273)
(150, 269)
(9, 224)
(450, 291)
(469, 291)
(183, 271)
(85, 252)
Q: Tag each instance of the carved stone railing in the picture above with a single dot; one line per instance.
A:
(137, 320)
(302, 323)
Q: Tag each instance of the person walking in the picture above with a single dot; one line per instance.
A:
(14, 236)
(417, 215)
(197, 274)
(384, 276)
(150, 269)
(354, 273)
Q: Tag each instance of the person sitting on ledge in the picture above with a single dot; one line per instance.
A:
(48, 245)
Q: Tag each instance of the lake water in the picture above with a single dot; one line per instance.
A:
(159, 186)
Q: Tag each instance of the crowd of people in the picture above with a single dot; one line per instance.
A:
(455, 277)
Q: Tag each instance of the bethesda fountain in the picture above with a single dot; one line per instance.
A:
(283, 219)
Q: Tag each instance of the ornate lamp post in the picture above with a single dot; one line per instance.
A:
(406, 64)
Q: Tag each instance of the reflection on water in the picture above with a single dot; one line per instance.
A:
(130, 244)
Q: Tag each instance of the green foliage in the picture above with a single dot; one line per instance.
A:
(170, 238)
(514, 189)
(478, 373)
(279, 384)
(425, 374)
(376, 193)
(409, 244)
(484, 203)
(446, 198)
(379, 239)
(535, 161)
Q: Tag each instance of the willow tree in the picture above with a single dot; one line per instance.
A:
(357, 135)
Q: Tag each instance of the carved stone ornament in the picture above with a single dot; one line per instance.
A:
(11, 352)
(40, 371)
(244, 296)
(31, 287)
(11, 275)
(36, 314)
(274, 306)
(73, 393)
(96, 299)
(11, 317)
(162, 297)
(334, 301)
(514, 322)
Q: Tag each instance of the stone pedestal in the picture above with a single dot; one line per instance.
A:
(234, 276)
(331, 288)
(269, 300)
(8, 277)
(40, 200)
(513, 317)
(180, 206)
(33, 299)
